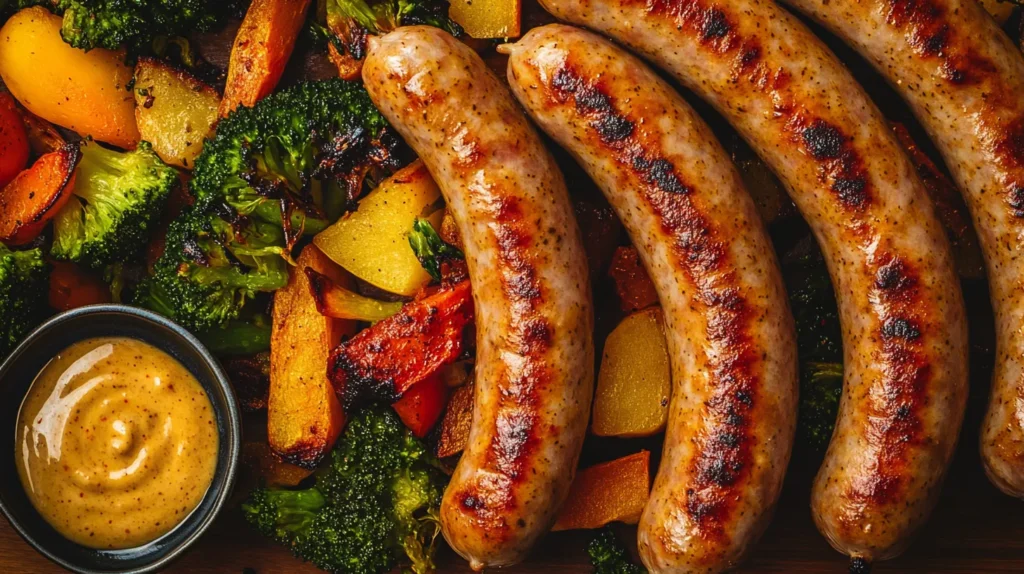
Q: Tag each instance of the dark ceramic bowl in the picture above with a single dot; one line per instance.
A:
(17, 374)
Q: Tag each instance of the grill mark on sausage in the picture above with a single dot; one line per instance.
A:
(926, 27)
(894, 423)
(517, 435)
(725, 444)
(841, 167)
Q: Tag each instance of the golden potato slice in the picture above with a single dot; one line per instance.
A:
(634, 381)
(304, 416)
(175, 111)
(372, 242)
(488, 18)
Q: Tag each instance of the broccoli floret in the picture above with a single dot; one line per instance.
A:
(299, 155)
(376, 504)
(211, 267)
(430, 249)
(111, 24)
(347, 23)
(23, 288)
(819, 345)
(117, 198)
(608, 556)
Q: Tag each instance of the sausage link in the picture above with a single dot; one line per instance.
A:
(730, 332)
(904, 329)
(964, 79)
(534, 317)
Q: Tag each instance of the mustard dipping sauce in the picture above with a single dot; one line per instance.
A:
(116, 443)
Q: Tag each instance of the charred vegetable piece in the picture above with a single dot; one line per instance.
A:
(211, 267)
(86, 92)
(333, 300)
(421, 406)
(250, 379)
(613, 491)
(22, 295)
(458, 416)
(634, 381)
(297, 158)
(174, 111)
(375, 507)
(304, 416)
(346, 24)
(262, 47)
(387, 215)
(386, 360)
(111, 24)
(36, 195)
(116, 201)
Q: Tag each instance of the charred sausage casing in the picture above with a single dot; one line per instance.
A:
(535, 357)
(902, 314)
(964, 79)
(730, 332)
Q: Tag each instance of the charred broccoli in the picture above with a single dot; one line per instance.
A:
(819, 344)
(111, 24)
(211, 267)
(430, 249)
(23, 288)
(376, 504)
(347, 23)
(118, 197)
(608, 555)
(289, 165)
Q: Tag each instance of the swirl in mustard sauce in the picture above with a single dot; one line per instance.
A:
(116, 443)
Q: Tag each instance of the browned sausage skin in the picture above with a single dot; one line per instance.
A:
(964, 79)
(731, 336)
(904, 331)
(535, 357)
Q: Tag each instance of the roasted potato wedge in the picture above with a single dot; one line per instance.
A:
(634, 381)
(262, 47)
(86, 92)
(36, 195)
(614, 491)
(175, 111)
(304, 416)
(386, 215)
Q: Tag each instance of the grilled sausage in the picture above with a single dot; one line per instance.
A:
(535, 356)
(964, 79)
(902, 314)
(733, 345)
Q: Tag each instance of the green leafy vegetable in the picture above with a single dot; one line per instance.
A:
(430, 249)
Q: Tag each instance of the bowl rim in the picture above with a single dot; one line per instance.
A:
(232, 420)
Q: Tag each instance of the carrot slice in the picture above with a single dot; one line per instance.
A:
(35, 196)
(13, 141)
(614, 491)
(261, 50)
(390, 357)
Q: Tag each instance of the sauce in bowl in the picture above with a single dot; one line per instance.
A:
(116, 443)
